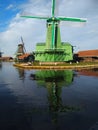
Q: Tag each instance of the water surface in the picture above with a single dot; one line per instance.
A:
(48, 99)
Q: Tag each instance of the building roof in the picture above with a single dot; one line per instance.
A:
(88, 53)
(23, 56)
(6, 58)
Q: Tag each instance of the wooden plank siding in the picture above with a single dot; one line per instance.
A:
(88, 56)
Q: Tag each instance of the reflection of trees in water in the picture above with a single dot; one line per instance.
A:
(54, 81)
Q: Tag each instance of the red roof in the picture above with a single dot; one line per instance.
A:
(88, 53)
(23, 56)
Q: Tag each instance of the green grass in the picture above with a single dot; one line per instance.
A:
(66, 64)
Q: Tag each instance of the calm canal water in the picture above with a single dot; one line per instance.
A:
(48, 99)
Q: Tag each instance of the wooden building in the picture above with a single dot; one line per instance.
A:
(87, 56)
(6, 58)
(27, 57)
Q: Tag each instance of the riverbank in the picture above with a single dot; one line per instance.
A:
(62, 66)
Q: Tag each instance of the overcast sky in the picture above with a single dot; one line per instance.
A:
(12, 26)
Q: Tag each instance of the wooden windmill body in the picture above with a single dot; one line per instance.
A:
(21, 49)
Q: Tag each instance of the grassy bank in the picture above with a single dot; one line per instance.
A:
(43, 65)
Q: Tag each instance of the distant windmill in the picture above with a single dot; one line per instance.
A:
(53, 39)
(1, 54)
(21, 48)
(23, 45)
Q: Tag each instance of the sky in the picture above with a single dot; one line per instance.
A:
(13, 27)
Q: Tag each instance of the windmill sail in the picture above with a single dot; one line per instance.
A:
(54, 22)
(23, 45)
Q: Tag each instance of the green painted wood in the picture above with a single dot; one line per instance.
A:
(54, 49)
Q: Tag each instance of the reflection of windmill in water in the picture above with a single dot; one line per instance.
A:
(54, 49)
(0, 59)
(21, 73)
(21, 48)
(54, 81)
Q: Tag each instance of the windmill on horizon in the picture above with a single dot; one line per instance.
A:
(1, 53)
(21, 48)
(54, 49)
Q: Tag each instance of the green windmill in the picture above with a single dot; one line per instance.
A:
(53, 50)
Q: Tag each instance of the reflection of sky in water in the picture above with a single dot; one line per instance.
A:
(26, 91)
(39, 97)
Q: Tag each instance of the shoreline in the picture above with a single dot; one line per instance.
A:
(58, 67)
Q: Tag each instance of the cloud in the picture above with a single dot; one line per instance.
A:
(33, 30)
(27, 28)
(9, 7)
